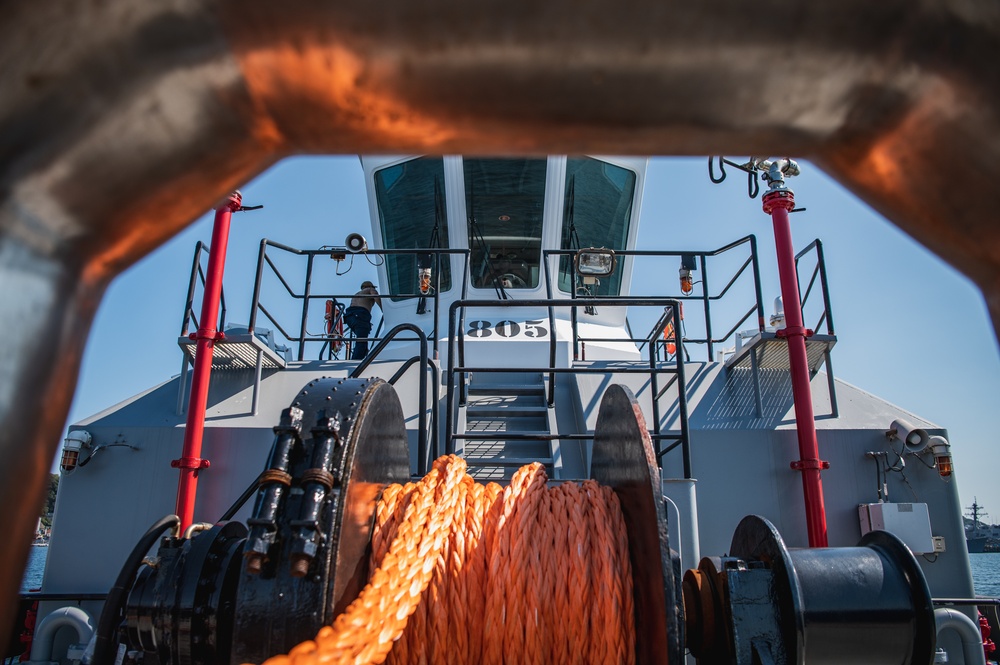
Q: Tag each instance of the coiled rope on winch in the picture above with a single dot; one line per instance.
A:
(467, 573)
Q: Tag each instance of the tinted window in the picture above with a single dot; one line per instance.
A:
(596, 213)
(504, 199)
(411, 208)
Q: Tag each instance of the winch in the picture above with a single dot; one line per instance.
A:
(346, 560)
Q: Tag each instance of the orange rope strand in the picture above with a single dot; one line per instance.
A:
(467, 573)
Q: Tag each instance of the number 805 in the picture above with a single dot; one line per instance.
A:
(506, 328)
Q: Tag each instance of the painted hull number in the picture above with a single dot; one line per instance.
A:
(506, 328)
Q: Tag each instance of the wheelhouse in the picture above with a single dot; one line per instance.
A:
(506, 212)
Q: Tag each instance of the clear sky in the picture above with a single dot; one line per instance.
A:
(910, 328)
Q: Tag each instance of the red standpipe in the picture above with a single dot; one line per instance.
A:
(778, 203)
(191, 462)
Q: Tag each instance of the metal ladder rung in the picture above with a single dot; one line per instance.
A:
(506, 461)
(497, 411)
(504, 389)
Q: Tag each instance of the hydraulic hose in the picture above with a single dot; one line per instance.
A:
(111, 614)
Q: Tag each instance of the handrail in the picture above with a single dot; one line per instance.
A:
(423, 459)
(455, 337)
(196, 273)
(706, 298)
(820, 270)
(307, 295)
(433, 444)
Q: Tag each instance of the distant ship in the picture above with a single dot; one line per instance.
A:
(975, 535)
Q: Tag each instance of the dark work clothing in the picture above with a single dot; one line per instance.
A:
(359, 320)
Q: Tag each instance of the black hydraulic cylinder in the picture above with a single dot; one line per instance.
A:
(317, 482)
(274, 483)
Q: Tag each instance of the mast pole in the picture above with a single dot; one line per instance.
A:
(778, 202)
(190, 462)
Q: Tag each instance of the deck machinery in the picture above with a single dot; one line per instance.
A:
(508, 309)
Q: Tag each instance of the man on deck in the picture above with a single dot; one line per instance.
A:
(359, 317)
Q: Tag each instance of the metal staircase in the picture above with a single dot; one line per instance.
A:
(506, 424)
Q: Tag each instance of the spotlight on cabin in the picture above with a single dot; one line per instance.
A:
(592, 263)
(941, 450)
(688, 266)
(356, 243)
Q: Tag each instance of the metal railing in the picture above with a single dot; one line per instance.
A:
(818, 272)
(307, 296)
(706, 298)
(660, 360)
(456, 337)
(198, 274)
(424, 446)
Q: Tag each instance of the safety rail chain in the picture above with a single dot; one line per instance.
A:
(706, 298)
(307, 295)
(198, 274)
(456, 336)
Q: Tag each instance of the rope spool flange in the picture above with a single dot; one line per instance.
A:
(624, 460)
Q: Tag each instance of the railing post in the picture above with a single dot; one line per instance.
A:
(708, 310)
(305, 307)
(551, 397)
(654, 392)
(255, 299)
(756, 284)
(682, 409)
(573, 312)
(189, 302)
(450, 398)
(437, 296)
(826, 288)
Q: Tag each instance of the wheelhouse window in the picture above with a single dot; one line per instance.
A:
(596, 213)
(504, 200)
(411, 209)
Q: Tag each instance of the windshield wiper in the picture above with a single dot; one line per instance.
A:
(475, 234)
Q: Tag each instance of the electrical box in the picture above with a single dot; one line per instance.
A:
(910, 522)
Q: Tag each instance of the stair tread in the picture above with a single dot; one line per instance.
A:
(506, 461)
(506, 389)
(481, 433)
(506, 410)
(525, 424)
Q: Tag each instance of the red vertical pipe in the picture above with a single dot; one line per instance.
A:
(778, 203)
(191, 462)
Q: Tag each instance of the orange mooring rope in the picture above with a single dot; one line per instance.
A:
(469, 573)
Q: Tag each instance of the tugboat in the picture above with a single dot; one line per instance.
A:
(509, 337)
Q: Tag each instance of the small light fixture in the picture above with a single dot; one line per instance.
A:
(593, 262)
(72, 444)
(688, 266)
(778, 318)
(941, 450)
(424, 273)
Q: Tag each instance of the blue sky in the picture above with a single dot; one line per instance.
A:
(910, 328)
